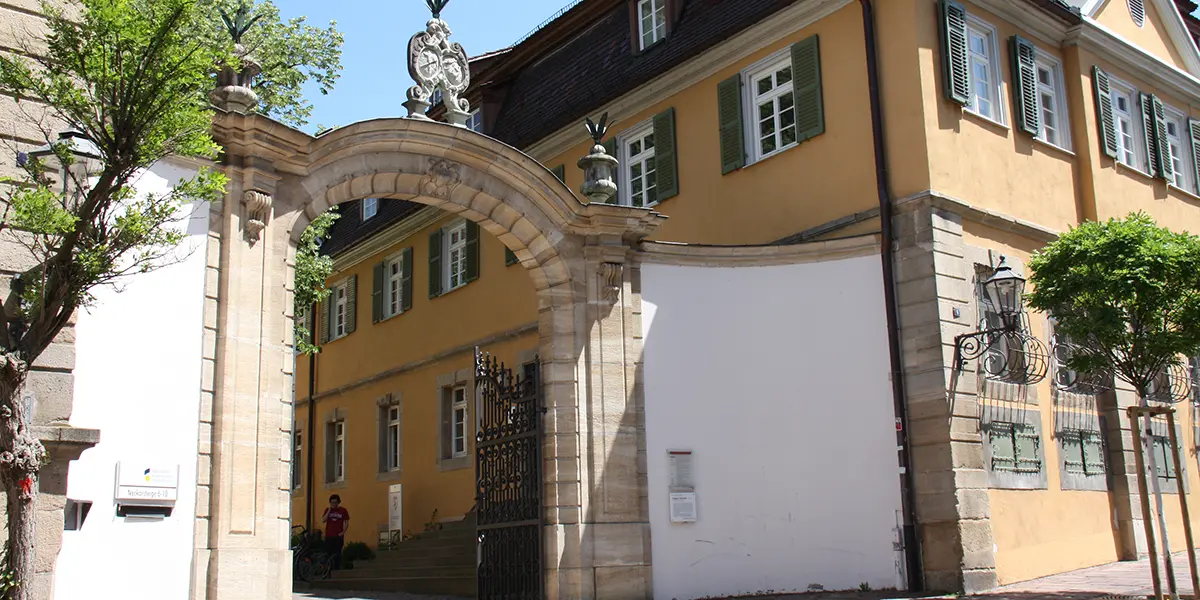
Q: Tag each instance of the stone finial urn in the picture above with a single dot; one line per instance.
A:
(599, 168)
(234, 92)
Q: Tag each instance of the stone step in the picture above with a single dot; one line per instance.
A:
(426, 559)
(461, 544)
(369, 570)
(464, 587)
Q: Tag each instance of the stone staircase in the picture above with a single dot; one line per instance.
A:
(438, 562)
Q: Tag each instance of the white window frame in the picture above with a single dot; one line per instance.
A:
(1058, 95)
(658, 22)
(297, 457)
(991, 37)
(475, 121)
(370, 208)
(458, 421)
(645, 157)
(341, 303)
(339, 450)
(393, 285)
(751, 99)
(1137, 136)
(448, 249)
(1181, 164)
(392, 414)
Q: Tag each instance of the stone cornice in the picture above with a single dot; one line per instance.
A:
(784, 23)
(632, 224)
(697, 255)
(1037, 24)
(387, 238)
(263, 137)
(983, 216)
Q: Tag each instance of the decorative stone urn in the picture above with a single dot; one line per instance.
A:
(599, 167)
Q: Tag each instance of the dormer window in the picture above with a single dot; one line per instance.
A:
(652, 21)
(370, 208)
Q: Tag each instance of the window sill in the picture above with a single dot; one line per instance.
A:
(390, 317)
(1132, 170)
(454, 464)
(394, 475)
(986, 120)
(773, 154)
(1054, 147)
(1189, 194)
(335, 485)
(452, 290)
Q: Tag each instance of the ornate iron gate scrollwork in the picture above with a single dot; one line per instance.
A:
(508, 481)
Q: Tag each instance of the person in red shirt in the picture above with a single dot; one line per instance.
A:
(337, 523)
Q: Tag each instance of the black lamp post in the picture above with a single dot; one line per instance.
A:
(85, 161)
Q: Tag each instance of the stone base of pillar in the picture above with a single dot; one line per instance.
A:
(249, 574)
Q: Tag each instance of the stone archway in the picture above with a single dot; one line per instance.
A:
(597, 532)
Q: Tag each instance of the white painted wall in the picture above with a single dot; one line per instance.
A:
(137, 380)
(777, 379)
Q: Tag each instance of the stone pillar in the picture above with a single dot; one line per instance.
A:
(242, 503)
(935, 294)
(613, 559)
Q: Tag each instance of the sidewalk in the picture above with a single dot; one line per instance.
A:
(1114, 579)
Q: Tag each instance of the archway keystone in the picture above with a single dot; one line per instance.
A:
(597, 532)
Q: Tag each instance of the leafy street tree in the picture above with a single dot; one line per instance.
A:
(132, 77)
(1127, 295)
(312, 270)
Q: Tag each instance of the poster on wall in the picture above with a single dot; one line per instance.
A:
(395, 515)
(683, 507)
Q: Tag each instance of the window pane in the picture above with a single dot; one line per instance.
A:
(1044, 75)
(784, 75)
(978, 43)
(635, 148)
(768, 144)
(766, 110)
(767, 127)
(649, 141)
(764, 85)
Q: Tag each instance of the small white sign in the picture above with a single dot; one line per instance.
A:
(683, 507)
(680, 464)
(146, 484)
(395, 506)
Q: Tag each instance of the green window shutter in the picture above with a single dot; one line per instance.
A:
(377, 293)
(1093, 452)
(1000, 438)
(952, 31)
(406, 282)
(666, 165)
(1158, 447)
(351, 304)
(510, 258)
(1153, 159)
(435, 264)
(729, 110)
(1024, 76)
(1104, 112)
(329, 474)
(560, 172)
(806, 86)
(1027, 444)
(326, 318)
(1194, 134)
(472, 251)
(1166, 168)
(1073, 451)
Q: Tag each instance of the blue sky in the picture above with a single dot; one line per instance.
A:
(375, 76)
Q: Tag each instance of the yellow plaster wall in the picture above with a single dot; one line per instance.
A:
(818, 181)
(988, 164)
(905, 63)
(502, 299)
(1118, 189)
(1042, 532)
(1151, 36)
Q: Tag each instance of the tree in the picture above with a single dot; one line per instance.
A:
(1127, 295)
(292, 53)
(132, 77)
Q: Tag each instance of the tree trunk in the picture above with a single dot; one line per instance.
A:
(21, 456)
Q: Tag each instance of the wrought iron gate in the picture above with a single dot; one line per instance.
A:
(508, 480)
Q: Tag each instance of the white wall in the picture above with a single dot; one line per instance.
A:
(777, 379)
(137, 380)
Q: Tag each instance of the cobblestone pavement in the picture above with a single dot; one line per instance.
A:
(1114, 579)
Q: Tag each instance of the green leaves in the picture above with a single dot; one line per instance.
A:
(292, 53)
(1127, 292)
(312, 270)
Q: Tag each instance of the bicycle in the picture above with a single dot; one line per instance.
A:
(309, 563)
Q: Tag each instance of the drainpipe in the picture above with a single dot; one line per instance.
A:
(907, 499)
(312, 424)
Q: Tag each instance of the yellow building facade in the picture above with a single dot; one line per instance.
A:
(1000, 125)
